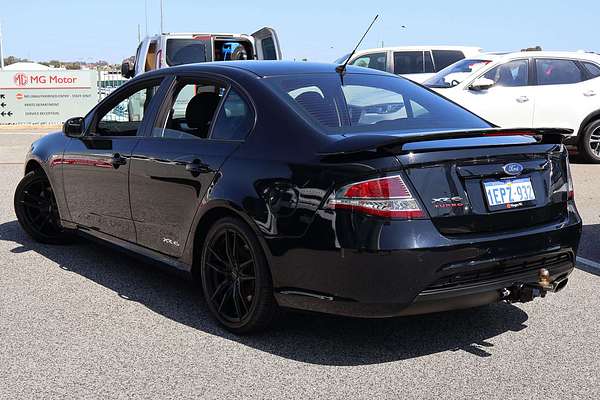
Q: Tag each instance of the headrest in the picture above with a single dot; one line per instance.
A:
(201, 109)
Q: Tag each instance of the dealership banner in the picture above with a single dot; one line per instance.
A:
(46, 97)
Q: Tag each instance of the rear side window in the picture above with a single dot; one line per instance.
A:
(374, 61)
(592, 69)
(185, 51)
(193, 106)
(409, 62)
(443, 58)
(557, 72)
(510, 74)
(235, 118)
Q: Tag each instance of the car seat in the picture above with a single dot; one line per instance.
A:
(200, 112)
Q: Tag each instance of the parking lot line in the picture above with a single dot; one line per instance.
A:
(589, 264)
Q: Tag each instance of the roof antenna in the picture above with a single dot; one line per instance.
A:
(341, 69)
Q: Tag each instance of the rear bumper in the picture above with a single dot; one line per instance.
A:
(415, 270)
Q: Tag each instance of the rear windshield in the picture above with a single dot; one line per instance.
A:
(455, 73)
(185, 51)
(372, 103)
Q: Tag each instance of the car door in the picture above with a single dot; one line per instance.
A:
(201, 123)
(510, 102)
(565, 94)
(416, 65)
(267, 44)
(96, 166)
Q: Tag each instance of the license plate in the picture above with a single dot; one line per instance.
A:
(508, 193)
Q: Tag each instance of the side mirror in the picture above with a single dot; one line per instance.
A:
(127, 69)
(481, 84)
(73, 127)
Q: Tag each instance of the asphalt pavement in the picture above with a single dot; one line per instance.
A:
(85, 321)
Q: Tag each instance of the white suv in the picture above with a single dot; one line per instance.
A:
(531, 89)
(416, 63)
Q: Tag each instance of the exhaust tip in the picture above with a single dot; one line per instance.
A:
(560, 284)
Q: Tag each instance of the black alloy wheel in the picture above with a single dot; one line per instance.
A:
(590, 143)
(235, 278)
(37, 211)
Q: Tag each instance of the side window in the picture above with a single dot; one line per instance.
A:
(428, 62)
(125, 118)
(557, 72)
(374, 61)
(510, 74)
(235, 118)
(193, 108)
(592, 69)
(443, 58)
(408, 62)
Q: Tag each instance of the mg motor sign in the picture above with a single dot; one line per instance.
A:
(45, 97)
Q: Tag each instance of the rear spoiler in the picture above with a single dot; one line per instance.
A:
(379, 142)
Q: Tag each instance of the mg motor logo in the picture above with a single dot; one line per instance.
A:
(20, 79)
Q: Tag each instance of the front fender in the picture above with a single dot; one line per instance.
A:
(47, 153)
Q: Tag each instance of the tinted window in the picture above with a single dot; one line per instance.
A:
(512, 73)
(443, 58)
(193, 108)
(125, 117)
(185, 51)
(268, 49)
(557, 72)
(372, 103)
(374, 61)
(592, 69)
(235, 119)
(408, 62)
(428, 62)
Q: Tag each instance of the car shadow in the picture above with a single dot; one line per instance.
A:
(310, 338)
(589, 248)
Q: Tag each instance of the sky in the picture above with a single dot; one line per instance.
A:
(90, 30)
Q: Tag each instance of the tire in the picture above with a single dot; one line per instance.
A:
(589, 145)
(235, 277)
(36, 210)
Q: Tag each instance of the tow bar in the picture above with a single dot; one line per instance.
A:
(525, 292)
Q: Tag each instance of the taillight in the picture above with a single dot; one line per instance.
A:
(570, 187)
(383, 197)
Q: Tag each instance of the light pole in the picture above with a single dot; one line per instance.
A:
(1, 49)
(161, 17)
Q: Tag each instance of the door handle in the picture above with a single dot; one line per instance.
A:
(117, 160)
(522, 99)
(197, 167)
(589, 93)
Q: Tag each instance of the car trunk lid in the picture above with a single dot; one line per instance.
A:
(483, 181)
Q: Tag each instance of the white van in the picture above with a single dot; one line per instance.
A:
(417, 63)
(170, 49)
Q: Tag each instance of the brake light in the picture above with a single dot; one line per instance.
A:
(383, 197)
(570, 187)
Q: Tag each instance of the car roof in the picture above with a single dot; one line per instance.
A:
(472, 49)
(270, 68)
(580, 55)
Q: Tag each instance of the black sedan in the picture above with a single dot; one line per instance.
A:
(293, 185)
